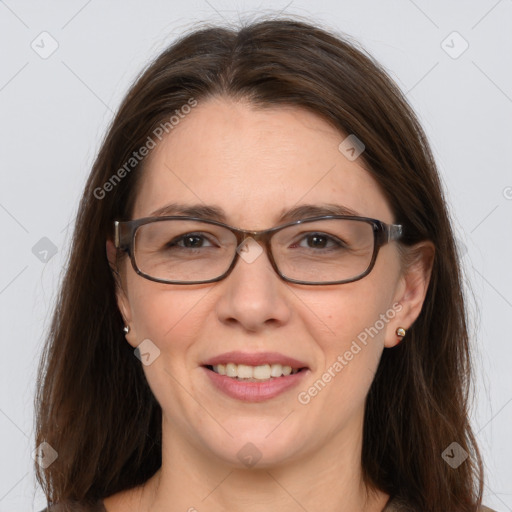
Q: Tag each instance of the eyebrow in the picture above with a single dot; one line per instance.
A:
(213, 212)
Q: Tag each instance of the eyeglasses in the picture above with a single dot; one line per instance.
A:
(333, 249)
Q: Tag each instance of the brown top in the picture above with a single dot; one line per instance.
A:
(398, 505)
(97, 507)
(394, 505)
(77, 507)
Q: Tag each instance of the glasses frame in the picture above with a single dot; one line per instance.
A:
(124, 240)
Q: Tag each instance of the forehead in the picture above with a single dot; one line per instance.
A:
(255, 164)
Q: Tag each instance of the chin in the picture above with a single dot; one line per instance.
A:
(256, 448)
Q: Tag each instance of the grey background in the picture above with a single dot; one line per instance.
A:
(54, 111)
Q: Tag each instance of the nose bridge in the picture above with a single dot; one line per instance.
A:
(252, 296)
(261, 238)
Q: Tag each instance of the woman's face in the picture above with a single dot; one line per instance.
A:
(255, 165)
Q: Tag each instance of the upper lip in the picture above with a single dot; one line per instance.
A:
(254, 359)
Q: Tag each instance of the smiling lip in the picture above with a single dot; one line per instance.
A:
(254, 359)
(254, 391)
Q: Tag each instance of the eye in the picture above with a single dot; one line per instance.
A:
(320, 241)
(190, 241)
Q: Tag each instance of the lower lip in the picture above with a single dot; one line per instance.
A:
(254, 391)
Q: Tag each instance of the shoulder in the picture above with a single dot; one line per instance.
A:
(399, 505)
(75, 507)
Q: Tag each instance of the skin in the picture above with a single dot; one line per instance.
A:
(255, 164)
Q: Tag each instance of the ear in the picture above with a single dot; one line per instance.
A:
(123, 302)
(412, 289)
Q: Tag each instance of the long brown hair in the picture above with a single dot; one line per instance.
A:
(93, 404)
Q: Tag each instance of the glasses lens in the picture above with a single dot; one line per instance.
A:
(324, 250)
(183, 250)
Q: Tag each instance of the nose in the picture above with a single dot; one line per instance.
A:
(253, 296)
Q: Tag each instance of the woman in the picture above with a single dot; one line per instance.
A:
(263, 305)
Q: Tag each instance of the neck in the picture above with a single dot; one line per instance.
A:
(327, 478)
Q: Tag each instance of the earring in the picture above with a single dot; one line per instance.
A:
(126, 329)
(400, 332)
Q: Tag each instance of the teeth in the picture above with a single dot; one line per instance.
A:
(261, 372)
(276, 370)
(244, 371)
(231, 370)
(258, 372)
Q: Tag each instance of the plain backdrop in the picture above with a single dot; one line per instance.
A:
(452, 59)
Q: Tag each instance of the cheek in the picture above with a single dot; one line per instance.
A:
(344, 314)
(172, 319)
(349, 324)
(169, 317)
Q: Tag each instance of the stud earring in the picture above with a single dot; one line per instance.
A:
(400, 332)
(126, 329)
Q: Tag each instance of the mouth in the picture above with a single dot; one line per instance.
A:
(254, 377)
(260, 373)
